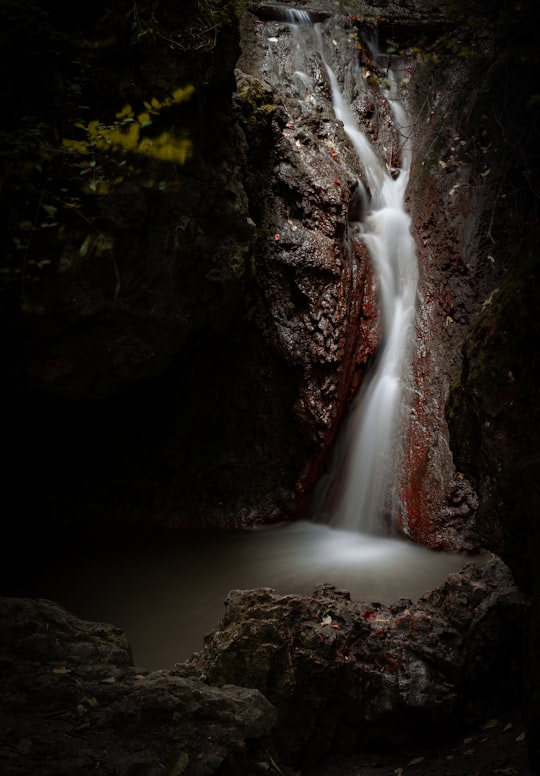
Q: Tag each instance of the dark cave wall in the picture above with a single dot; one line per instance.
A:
(473, 200)
(452, 195)
(493, 404)
(493, 414)
(166, 358)
(139, 381)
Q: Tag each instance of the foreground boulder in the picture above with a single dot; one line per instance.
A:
(345, 675)
(72, 702)
(326, 676)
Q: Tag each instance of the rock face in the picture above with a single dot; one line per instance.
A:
(493, 413)
(188, 313)
(451, 196)
(469, 210)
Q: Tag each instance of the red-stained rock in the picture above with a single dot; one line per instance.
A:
(384, 674)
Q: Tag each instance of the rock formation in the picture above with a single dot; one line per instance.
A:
(345, 675)
(73, 702)
(327, 675)
(186, 317)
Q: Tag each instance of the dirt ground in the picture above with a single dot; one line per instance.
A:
(496, 747)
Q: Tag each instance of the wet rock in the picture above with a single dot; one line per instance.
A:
(71, 701)
(312, 269)
(284, 13)
(344, 674)
(451, 198)
(493, 413)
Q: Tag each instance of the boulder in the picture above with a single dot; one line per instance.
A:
(344, 674)
(72, 702)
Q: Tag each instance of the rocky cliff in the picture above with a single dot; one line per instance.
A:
(186, 315)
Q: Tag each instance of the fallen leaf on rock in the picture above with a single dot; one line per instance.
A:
(491, 723)
(416, 760)
(180, 764)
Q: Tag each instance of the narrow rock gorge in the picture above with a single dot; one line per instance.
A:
(188, 313)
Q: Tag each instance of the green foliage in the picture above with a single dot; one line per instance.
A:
(144, 25)
(67, 158)
(256, 100)
(354, 7)
(205, 22)
(55, 229)
(126, 134)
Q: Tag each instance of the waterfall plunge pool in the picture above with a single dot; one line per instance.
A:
(166, 591)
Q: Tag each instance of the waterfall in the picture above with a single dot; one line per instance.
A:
(356, 493)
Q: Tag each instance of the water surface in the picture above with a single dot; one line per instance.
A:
(167, 592)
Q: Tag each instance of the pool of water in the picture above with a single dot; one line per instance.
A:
(167, 592)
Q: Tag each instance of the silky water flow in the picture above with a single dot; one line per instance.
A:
(357, 493)
(167, 594)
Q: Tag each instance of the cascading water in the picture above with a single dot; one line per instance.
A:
(356, 493)
(372, 451)
(167, 594)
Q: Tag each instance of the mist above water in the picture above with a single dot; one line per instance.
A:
(167, 592)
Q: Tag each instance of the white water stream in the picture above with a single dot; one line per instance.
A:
(166, 593)
(367, 466)
(356, 494)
